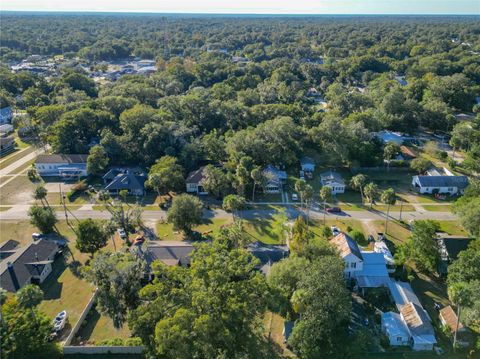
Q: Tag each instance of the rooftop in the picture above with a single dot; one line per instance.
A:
(450, 318)
(346, 245)
(61, 158)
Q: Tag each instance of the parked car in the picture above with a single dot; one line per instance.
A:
(294, 197)
(122, 234)
(335, 230)
(333, 209)
(59, 321)
(302, 175)
(38, 236)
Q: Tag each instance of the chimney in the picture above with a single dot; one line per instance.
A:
(16, 286)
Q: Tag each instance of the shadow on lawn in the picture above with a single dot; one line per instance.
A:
(88, 326)
(52, 288)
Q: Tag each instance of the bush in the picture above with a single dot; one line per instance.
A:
(358, 237)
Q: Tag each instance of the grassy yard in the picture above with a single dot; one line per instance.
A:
(63, 290)
(165, 230)
(97, 328)
(452, 228)
(14, 156)
(17, 191)
(395, 232)
(439, 208)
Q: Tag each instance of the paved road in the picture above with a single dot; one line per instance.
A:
(20, 212)
(17, 164)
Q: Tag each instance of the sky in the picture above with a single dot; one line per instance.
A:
(468, 7)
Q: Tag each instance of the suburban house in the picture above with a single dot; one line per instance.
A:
(449, 318)
(449, 248)
(395, 329)
(368, 269)
(421, 335)
(6, 115)
(26, 265)
(65, 166)
(407, 153)
(7, 144)
(440, 182)
(390, 136)
(267, 254)
(401, 80)
(131, 180)
(194, 181)
(6, 129)
(333, 180)
(276, 178)
(307, 164)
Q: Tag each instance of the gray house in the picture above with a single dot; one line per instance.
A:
(26, 265)
(131, 180)
(6, 115)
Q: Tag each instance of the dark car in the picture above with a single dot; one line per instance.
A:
(333, 209)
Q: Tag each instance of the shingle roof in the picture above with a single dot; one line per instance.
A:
(346, 245)
(195, 176)
(268, 253)
(61, 158)
(460, 182)
(24, 262)
(126, 181)
(170, 254)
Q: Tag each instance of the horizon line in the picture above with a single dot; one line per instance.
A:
(230, 14)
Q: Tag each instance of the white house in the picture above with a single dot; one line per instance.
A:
(440, 182)
(333, 180)
(381, 247)
(276, 178)
(395, 329)
(350, 253)
(367, 268)
(194, 181)
(66, 166)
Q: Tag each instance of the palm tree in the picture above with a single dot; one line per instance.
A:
(256, 175)
(326, 196)
(371, 190)
(40, 193)
(358, 182)
(389, 197)
(300, 186)
(390, 150)
(308, 197)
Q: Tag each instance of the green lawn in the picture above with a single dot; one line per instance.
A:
(395, 232)
(17, 191)
(14, 156)
(439, 208)
(209, 226)
(65, 291)
(452, 228)
(98, 327)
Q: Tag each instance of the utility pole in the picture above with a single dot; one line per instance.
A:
(401, 209)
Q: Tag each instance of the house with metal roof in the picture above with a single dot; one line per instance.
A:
(6, 115)
(419, 326)
(26, 265)
(62, 165)
(395, 329)
(307, 164)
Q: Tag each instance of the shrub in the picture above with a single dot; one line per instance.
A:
(358, 236)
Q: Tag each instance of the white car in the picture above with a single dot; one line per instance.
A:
(335, 230)
(122, 234)
(294, 197)
(59, 321)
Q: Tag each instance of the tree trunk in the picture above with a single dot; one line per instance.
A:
(361, 194)
(114, 245)
(324, 213)
(386, 219)
(253, 193)
(456, 328)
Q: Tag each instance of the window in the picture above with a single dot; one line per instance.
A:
(353, 265)
(399, 339)
(450, 189)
